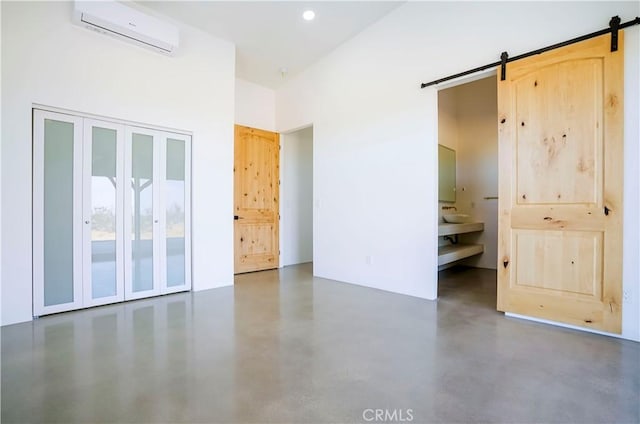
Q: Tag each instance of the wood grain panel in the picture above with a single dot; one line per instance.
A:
(569, 262)
(560, 207)
(559, 133)
(256, 194)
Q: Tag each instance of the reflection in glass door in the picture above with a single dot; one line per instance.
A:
(103, 191)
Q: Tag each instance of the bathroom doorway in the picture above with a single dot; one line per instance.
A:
(468, 190)
(296, 193)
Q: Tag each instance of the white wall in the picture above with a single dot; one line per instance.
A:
(255, 106)
(448, 118)
(47, 60)
(375, 131)
(296, 197)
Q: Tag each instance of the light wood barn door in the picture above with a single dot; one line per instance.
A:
(561, 155)
(256, 193)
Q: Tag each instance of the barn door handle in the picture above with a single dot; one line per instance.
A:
(236, 217)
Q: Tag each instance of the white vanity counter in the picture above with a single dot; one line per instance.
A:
(457, 251)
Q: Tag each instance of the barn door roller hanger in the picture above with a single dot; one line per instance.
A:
(614, 26)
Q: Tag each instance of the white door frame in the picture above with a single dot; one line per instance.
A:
(129, 293)
(39, 307)
(165, 289)
(87, 279)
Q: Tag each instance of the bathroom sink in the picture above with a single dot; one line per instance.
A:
(456, 218)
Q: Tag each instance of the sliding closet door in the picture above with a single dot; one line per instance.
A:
(103, 198)
(176, 212)
(157, 213)
(57, 212)
(111, 218)
(142, 213)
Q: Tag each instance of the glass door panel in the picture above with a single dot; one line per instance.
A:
(58, 212)
(140, 273)
(142, 213)
(175, 206)
(103, 213)
(103, 209)
(56, 223)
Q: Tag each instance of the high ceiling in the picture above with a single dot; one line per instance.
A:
(272, 35)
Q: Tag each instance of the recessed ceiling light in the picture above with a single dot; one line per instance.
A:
(308, 15)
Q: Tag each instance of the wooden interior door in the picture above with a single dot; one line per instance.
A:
(256, 193)
(561, 156)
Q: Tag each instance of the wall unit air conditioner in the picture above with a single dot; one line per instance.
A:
(114, 18)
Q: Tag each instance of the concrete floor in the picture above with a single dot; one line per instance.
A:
(284, 347)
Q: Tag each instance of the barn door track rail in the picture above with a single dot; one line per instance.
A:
(614, 26)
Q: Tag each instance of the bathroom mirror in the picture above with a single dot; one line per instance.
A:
(446, 174)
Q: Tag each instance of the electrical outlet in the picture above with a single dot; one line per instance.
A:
(368, 259)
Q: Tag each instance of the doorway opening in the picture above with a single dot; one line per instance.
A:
(468, 190)
(296, 194)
